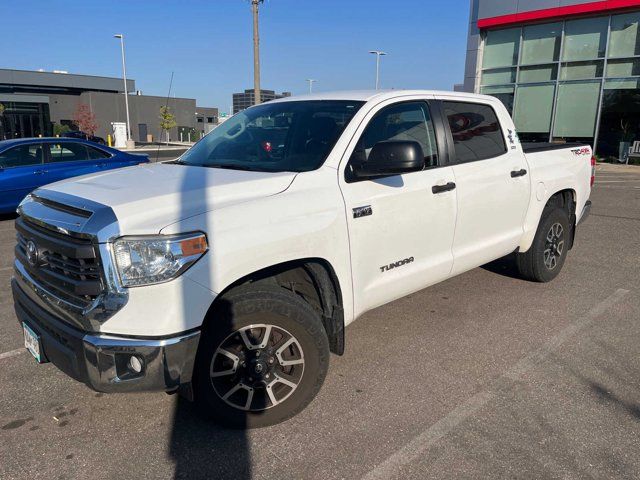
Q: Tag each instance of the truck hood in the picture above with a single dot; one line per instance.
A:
(148, 197)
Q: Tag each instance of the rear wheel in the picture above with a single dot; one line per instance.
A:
(262, 358)
(544, 260)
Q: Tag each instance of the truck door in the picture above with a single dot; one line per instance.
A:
(400, 228)
(492, 178)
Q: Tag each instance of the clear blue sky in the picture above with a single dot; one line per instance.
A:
(208, 43)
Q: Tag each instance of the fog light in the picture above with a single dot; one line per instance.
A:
(135, 364)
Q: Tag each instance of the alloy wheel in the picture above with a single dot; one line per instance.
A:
(553, 246)
(257, 367)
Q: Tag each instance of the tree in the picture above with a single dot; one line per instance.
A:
(167, 120)
(59, 130)
(85, 119)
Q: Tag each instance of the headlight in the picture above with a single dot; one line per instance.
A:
(156, 259)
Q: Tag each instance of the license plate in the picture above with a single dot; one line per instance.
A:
(32, 342)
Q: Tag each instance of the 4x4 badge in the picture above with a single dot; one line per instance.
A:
(362, 211)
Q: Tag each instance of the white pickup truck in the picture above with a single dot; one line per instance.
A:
(230, 274)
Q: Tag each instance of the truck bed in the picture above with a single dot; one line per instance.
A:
(532, 147)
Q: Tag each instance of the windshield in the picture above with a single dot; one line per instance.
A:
(288, 136)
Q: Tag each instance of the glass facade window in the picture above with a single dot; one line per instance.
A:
(626, 67)
(620, 116)
(557, 77)
(539, 73)
(581, 70)
(505, 94)
(501, 48)
(624, 40)
(499, 76)
(576, 110)
(533, 110)
(541, 43)
(22, 119)
(585, 39)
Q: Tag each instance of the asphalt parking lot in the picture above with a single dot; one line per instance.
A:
(482, 376)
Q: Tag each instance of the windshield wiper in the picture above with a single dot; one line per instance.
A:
(176, 162)
(232, 166)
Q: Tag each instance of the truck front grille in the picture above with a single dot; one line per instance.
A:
(68, 267)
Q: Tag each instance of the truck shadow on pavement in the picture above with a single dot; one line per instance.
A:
(199, 447)
(202, 449)
(505, 266)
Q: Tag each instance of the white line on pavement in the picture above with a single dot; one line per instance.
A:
(419, 446)
(12, 353)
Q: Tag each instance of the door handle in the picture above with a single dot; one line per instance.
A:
(41, 172)
(443, 188)
(518, 173)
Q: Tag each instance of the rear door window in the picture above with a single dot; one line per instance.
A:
(67, 152)
(476, 131)
(22, 156)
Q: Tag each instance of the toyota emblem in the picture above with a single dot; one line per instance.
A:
(32, 253)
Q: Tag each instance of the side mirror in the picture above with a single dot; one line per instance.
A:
(391, 158)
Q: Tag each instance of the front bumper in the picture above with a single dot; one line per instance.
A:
(103, 361)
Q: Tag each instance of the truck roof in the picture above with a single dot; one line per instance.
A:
(366, 95)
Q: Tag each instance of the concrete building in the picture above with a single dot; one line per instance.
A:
(567, 70)
(34, 101)
(247, 98)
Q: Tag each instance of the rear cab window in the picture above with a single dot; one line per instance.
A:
(476, 131)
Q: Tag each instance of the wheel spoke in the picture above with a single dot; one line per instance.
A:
(232, 390)
(230, 371)
(265, 338)
(283, 347)
(272, 396)
(280, 379)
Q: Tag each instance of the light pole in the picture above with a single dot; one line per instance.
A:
(378, 54)
(256, 52)
(126, 90)
(311, 82)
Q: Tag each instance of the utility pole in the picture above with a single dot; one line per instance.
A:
(256, 52)
(378, 54)
(311, 82)
(130, 143)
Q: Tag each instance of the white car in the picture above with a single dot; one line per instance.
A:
(230, 274)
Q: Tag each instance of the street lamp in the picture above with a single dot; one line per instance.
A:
(378, 54)
(126, 90)
(311, 82)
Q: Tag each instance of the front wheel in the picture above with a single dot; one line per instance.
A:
(262, 358)
(544, 260)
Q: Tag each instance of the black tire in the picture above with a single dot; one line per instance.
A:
(536, 264)
(288, 314)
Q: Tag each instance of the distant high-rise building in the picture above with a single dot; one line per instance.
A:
(247, 98)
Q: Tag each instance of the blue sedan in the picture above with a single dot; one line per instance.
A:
(28, 163)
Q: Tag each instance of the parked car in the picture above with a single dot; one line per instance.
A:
(232, 274)
(84, 136)
(28, 163)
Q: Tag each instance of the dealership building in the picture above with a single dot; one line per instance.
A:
(567, 70)
(34, 101)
